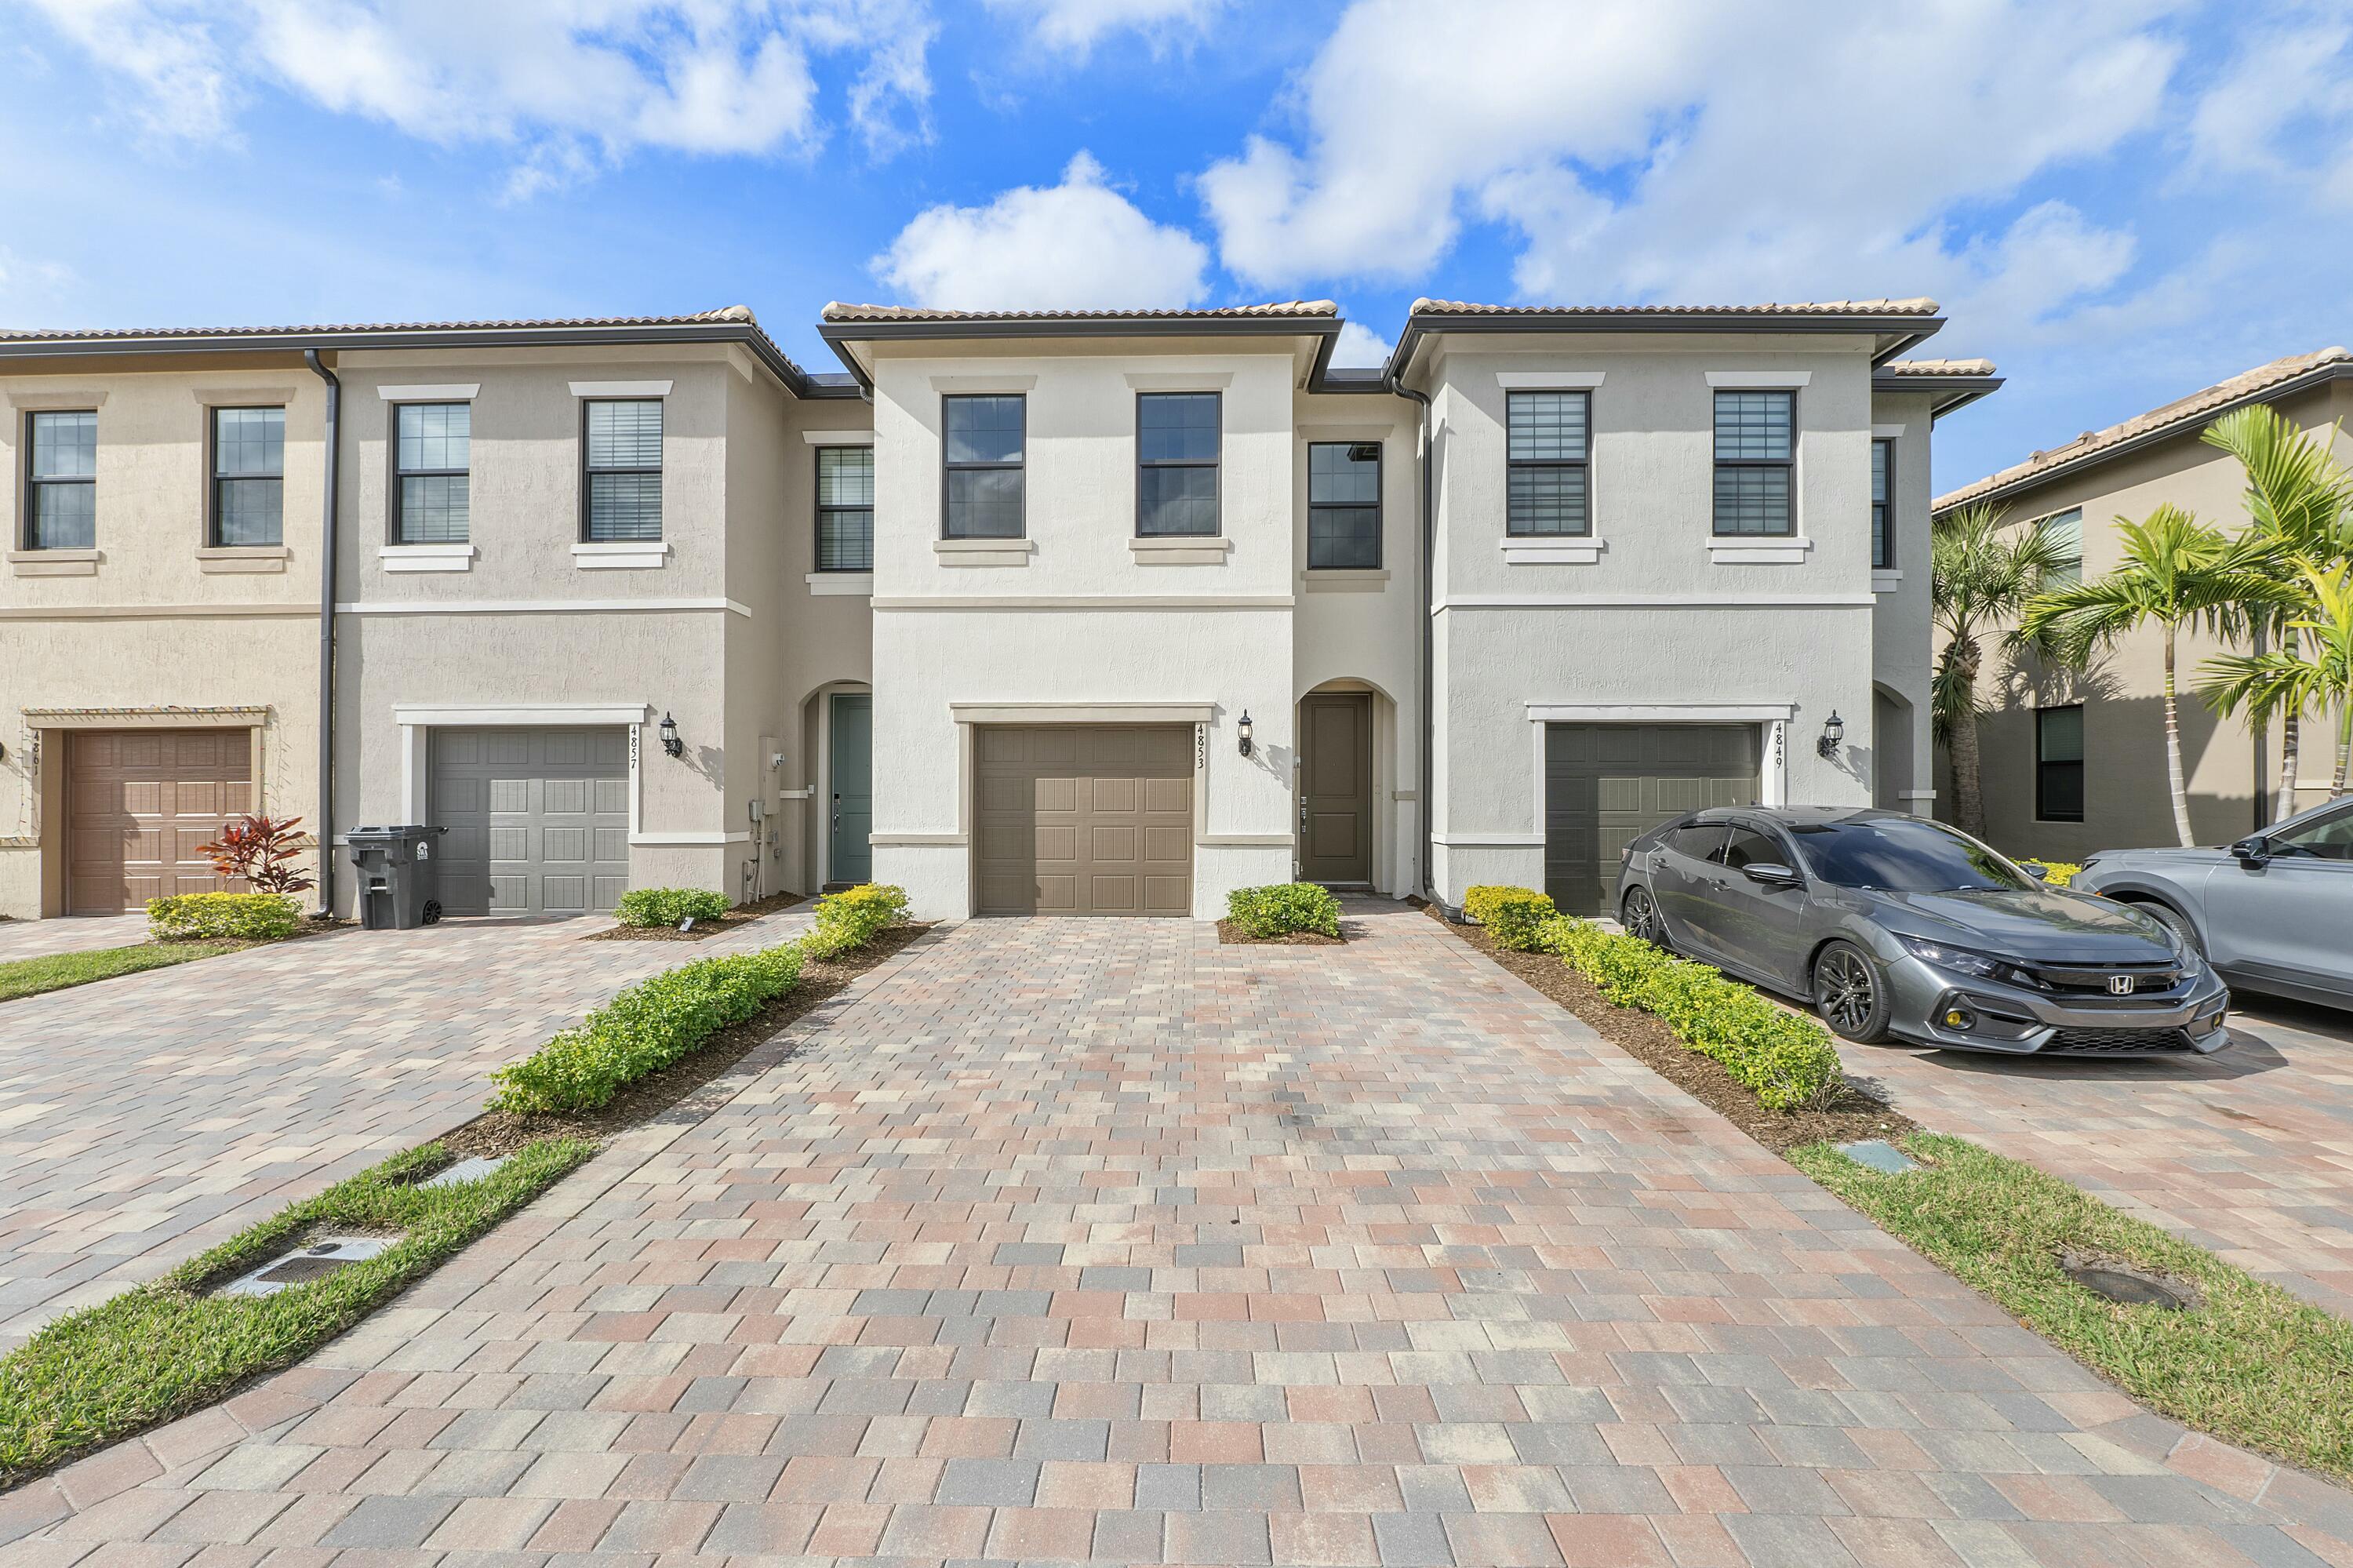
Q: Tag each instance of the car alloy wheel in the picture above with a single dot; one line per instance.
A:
(1641, 918)
(2178, 923)
(1847, 994)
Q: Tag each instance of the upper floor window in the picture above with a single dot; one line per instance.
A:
(1882, 491)
(2059, 764)
(1344, 503)
(432, 451)
(249, 495)
(1177, 442)
(624, 457)
(1547, 457)
(845, 509)
(984, 494)
(2065, 531)
(1754, 445)
(61, 480)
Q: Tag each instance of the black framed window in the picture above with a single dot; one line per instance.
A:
(982, 494)
(61, 479)
(1344, 503)
(248, 499)
(1882, 494)
(2059, 764)
(845, 509)
(1177, 445)
(432, 459)
(2066, 533)
(623, 456)
(1546, 454)
(1754, 443)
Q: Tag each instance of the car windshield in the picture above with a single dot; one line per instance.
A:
(1894, 855)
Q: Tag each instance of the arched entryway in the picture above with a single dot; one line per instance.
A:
(1344, 788)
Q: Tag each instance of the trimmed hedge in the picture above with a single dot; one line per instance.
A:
(849, 918)
(1282, 908)
(1514, 917)
(669, 905)
(1786, 1060)
(644, 1030)
(240, 916)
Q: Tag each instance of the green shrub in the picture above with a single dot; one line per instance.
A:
(1788, 1060)
(1514, 917)
(1282, 908)
(849, 919)
(644, 1030)
(669, 905)
(242, 917)
(2056, 873)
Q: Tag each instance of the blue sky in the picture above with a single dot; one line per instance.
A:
(2117, 202)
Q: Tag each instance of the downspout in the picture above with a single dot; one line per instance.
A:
(1429, 654)
(324, 832)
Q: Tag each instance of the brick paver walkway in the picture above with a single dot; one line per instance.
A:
(145, 1117)
(2248, 1151)
(1057, 1241)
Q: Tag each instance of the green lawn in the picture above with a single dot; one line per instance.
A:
(160, 1350)
(55, 972)
(2252, 1365)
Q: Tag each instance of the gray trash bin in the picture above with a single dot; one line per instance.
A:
(396, 875)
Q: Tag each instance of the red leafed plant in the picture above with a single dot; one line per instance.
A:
(262, 850)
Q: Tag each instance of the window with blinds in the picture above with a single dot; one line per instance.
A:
(1546, 456)
(845, 509)
(1754, 446)
(624, 455)
(432, 451)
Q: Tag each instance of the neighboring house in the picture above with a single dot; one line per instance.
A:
(2074, 763)
(1085, 612)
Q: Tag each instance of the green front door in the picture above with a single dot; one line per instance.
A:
(852, 860)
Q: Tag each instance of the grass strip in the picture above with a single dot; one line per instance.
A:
(162, 1350)
(55, 971)
(2250, 1364)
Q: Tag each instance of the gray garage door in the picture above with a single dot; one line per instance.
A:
(538, 819)
(1084, 820)
(1605, 784)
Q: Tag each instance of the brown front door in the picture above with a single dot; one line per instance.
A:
(138, 804)
(1083, 819)
(1335, 789)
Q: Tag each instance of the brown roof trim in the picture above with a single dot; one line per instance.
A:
(1900, 323)
(734, 323)
(843, 325)
(2268, 382)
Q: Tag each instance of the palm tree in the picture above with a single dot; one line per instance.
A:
(1980, 574)
(2175, 571)
(2300, 509)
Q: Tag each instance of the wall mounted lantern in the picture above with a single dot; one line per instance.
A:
(1833, 732)
(670, 743)
(1243, 729)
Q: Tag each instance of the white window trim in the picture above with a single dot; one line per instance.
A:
(620, 388)
(1886, 579)
(1758, 549)
(455, 392)
(1888, 432)
(1760, 380)
(605, 555)
(839, 438)
(1180, 380)
(1569, 549)
(1549, 380)
(436, 557)
(983, 386)
(859, 584)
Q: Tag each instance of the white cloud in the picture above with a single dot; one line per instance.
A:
(1079, 245)
(1075, 27)
(1360, 345)
(565, 81)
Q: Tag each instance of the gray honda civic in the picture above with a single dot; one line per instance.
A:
(1896, 927)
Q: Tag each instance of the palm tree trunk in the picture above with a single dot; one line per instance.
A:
(2173, 749)
(2291, 734)
(2344, 746)
(1969, 795)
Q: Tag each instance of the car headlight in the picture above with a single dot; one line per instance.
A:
(1962, 962)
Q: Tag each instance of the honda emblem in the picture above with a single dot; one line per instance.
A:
(2120, 985)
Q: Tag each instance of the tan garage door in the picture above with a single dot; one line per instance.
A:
(138, 804)
(1084, 820)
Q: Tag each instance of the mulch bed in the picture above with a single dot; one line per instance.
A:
(1850, 1116)
(1229, 938)
(703, 929)
(503, 1132)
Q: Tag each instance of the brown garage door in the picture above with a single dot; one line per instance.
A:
(1607, 783)
(138, 804)
(1084, 820)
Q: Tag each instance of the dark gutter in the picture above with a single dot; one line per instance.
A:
(1907, 331)
(1429, 654)
(839, 334)
(324, 830)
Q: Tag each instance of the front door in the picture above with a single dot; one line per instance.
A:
(1335, 789)
(853, 789)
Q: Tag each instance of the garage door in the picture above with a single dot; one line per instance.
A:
(138, 804)
(1084, 820)
(1605, 784)
(538, 819)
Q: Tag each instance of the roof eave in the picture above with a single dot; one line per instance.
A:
(840, 336)
(1896, 333)
(1944, 393)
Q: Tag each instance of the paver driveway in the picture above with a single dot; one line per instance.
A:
(2248, 1151)
(1093, 1240)
(145, 1117)
(38, 938)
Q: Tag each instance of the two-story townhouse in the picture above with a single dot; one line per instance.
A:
(2070, 760)
(1680, 559)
